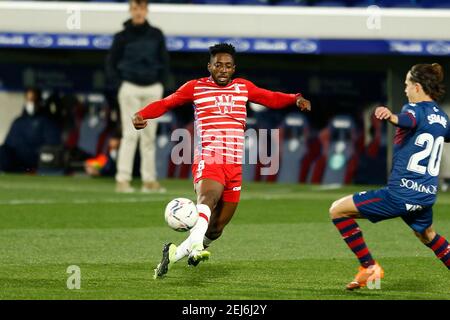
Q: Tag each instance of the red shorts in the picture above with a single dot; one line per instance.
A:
(229, 175)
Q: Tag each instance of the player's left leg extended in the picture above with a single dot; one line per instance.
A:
(343, 213)
(209, 193)
(437, 243)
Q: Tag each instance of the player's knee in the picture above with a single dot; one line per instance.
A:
(426, 236)
(333, 210)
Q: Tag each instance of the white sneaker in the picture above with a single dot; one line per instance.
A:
(152, 187)
(124, 187)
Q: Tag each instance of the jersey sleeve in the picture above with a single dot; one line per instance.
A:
(447, 135)
(409, 117)
(182, 96)
(270, 99)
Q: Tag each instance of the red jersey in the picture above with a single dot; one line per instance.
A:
(220, 114)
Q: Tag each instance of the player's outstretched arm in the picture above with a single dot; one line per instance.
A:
(274, 99)
(404, 119)
(182, 96)
(383, 113)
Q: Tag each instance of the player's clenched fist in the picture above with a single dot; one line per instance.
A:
(383, 113)
(139, 122)
(303, 104)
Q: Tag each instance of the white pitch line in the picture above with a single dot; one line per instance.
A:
(78, 201)
(65, 188)
(318, 196)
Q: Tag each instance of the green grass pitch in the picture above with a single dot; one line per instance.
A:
(280, 245)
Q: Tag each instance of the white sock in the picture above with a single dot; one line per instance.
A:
(183, 249)
(199, 230)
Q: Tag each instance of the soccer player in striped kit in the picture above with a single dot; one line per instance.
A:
(422, 128)
(220, 115)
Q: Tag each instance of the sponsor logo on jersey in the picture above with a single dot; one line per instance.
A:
(225, 103)
(237, 188)
(413, 185)
(413, 207)
(436, 118)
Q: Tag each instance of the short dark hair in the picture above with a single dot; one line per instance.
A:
(36, 91)
(430, 76)
(138, 2)
(222, 48)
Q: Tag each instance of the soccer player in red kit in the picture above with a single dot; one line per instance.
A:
(220, 115)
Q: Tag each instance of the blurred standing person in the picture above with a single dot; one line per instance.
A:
(138, 61)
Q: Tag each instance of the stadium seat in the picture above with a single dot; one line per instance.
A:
(250, 160)
(164, 144)
(182, 171)
(294, 136)
(93, 125)
(338, 159)
(372, 167)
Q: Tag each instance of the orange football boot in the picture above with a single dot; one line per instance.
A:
(364, 275)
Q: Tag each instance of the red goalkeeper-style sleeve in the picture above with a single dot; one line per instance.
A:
(182, 96)
(270, 99)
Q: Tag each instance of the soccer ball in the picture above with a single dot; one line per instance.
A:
(181, 214)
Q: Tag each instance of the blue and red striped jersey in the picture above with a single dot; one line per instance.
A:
(417, 153)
